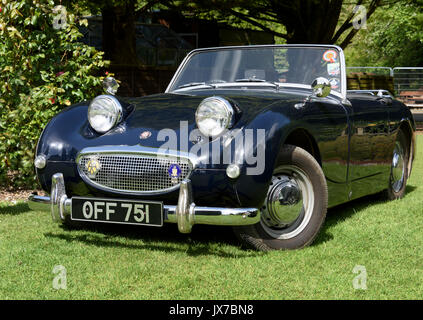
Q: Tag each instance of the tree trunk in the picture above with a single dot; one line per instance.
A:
(312, 21)
(119, 33)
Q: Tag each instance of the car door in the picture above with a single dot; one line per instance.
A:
(328, 120)
(370, 146)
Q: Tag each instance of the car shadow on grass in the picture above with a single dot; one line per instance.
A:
(343, 212)
(14, 208)
(202, 241)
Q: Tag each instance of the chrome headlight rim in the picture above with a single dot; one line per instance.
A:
(116, 112)
(229, 113)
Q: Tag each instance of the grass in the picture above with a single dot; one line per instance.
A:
(109, 262)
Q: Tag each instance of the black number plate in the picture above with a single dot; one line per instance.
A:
(117, 211)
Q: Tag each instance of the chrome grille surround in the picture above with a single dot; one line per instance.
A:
(135, 169)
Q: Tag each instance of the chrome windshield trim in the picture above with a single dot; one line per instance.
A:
(343, 72)
(343, 76)
(279, 86)
(228, 85)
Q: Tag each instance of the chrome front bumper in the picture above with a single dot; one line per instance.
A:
(185, 213)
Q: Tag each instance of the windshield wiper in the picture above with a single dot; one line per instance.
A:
(250, 80)
(258, 80)
(214, 81)
(193, 84)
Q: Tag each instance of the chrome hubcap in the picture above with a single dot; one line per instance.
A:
(284, 201)
(398, 168)
(289, 203)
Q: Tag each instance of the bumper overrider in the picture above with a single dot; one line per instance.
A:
(185, 213)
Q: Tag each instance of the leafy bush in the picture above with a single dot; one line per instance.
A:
(43, 68)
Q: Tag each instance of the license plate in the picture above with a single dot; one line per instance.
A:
(117, 211)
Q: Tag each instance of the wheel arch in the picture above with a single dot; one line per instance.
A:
(300, 137)
(406, 127)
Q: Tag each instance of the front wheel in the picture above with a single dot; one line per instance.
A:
(295, 206)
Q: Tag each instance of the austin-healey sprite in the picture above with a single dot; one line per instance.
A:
(260, 138)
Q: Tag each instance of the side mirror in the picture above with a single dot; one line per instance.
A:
(110, 85)
(321, 87)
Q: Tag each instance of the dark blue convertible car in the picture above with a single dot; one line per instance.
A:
(260, 138)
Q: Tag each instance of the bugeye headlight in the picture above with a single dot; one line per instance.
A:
(104, 113)
(214, 116)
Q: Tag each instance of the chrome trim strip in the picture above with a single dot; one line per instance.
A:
(185, 210)
(218, 215)
(343, 72)
(138, 149)
(258, 84)
(60, 203)
(39, 203)
(134, 150)
(185, 214)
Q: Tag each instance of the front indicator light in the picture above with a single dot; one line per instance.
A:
(233, 171)
(40, 161)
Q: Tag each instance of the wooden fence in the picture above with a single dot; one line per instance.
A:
(366, 81)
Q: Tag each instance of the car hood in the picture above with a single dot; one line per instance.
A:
(167, 110)
(153, 120)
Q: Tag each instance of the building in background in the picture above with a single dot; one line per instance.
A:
(163, 39)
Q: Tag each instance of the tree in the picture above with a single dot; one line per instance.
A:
(304, 21)
(295, 21)
(393, 38)
(119, 32)
(118, 18)
(292, 21)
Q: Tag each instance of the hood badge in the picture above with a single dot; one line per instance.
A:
(174, 173)
(145, 135)
(92, 166)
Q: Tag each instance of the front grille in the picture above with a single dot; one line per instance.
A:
(134, 172)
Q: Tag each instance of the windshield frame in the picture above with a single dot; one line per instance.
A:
(342, 94)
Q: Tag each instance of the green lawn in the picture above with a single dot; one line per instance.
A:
(146, 263)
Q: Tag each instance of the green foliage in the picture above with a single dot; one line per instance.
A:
(42, 70)
(393, 38)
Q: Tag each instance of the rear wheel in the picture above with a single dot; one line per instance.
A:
(295, 205)
(399, 167)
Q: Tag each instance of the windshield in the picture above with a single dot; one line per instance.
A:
(255, 65)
